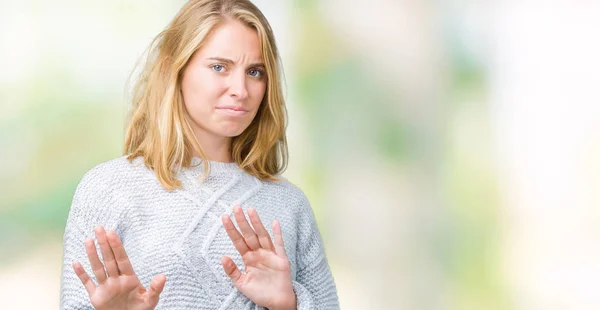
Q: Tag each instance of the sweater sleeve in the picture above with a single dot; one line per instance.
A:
(314, 285)
(91, 206)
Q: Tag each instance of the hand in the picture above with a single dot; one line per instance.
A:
(267, 280)
(118, 288)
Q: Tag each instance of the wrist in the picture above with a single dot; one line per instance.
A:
(286, 303)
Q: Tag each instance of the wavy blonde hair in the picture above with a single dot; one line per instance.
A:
(159, 129)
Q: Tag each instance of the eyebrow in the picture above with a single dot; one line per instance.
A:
(229, 61)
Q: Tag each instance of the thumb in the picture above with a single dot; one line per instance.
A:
(156, 287)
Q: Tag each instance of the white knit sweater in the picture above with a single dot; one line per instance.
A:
(180, 233)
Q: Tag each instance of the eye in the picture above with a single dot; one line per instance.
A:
(218, 68)
(255, 73)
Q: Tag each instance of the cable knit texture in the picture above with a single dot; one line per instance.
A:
(180, 233)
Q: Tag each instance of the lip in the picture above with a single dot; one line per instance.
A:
(232, 111)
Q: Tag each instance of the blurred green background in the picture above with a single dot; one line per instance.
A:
(448, 148)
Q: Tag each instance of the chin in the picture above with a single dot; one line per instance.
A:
(229, 128)
(230, 133)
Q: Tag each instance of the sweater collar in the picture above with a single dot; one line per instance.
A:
(216, 167)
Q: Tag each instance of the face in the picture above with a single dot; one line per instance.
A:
(224, 82)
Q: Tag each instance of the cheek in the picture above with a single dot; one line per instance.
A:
(257, 93)
(200, 93)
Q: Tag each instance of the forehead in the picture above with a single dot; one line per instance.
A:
(233, 40)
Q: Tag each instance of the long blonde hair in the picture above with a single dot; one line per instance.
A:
(158, 128)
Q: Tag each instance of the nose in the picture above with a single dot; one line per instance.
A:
(238, 87)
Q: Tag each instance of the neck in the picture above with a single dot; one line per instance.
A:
(215, 148)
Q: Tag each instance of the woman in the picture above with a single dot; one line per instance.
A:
(206, 140)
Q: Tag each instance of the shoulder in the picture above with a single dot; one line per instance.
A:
(289, 192)
(110, 175)
(102, 194)
(302, 215)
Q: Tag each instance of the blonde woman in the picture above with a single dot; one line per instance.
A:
(174, 224)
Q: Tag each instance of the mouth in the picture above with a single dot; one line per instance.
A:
(232, 111)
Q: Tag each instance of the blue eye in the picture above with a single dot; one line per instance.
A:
(255, 73)
(218, 68)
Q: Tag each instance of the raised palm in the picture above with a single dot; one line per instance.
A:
(266, 279)
(118, 285)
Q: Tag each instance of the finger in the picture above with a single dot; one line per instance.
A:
(156, 287)
(90, 287)
(263, 236)
(279, 247)
(235, 236)
(123, 263)
(249, 234)
(97, 267)
(107, 254)
(232, 270)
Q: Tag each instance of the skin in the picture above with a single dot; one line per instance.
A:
(227, 71)
(225, 75)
